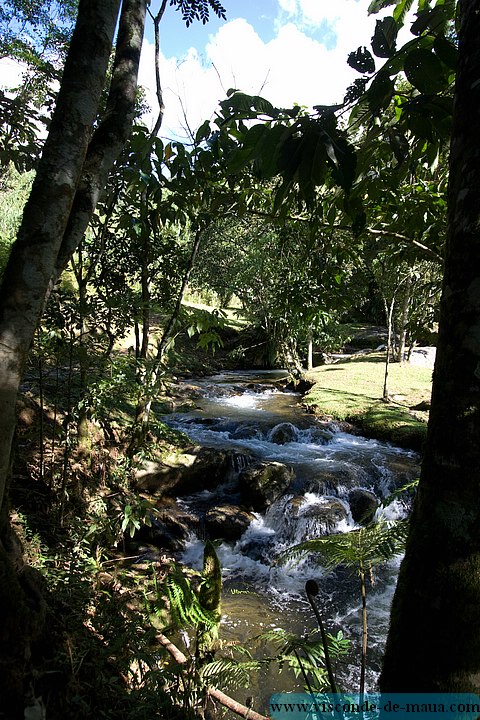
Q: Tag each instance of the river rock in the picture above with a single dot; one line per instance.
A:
(321, 517)
(263, 482)
(169, 529)
(324, 516)
(336, 478)
(321, 436)
(363, 505)
(245, 432)
(300, 385)
(227, 522)
(186, 473)
(283, 433)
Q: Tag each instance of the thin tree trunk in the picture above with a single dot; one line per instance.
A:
(404, 319)
(158, 84)
(388, 316)
(434, 639)
(363, 665)
(310, 351)
(147, 392)
(112, 133)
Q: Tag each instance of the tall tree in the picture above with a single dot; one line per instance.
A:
(68, 155)
(434, 639)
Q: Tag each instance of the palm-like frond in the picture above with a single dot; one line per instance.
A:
(409, 487)
(229, 673)
(365, 547)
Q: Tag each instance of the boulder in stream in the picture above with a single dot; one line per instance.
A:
(283, 433)
(263, 482)
(363, 505)
(313, 519)
(202, 468)
(227, 522)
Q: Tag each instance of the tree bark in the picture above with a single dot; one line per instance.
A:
(434, 639)
(43, 247)
(111, 134)
(404, 319)
(34, 254)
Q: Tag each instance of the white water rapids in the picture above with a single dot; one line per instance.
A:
(239, 411)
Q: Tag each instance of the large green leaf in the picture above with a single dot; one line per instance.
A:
(377, 5)
(342, 158)
(446, 51)
(401, 10)
(268, 151)
(385, 37)
(424, 71)
(434, 20)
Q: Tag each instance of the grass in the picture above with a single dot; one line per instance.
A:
(352, 390)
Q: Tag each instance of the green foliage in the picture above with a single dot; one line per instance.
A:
(136, 515)
(198, 10)
(183, 601)
(14, 191)
(360, 549)
(384, 38)
(305, 656)
(229, 673)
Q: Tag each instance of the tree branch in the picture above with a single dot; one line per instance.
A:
(218, 695)
(161, 107)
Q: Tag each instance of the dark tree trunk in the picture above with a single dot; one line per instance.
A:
(48, 235)
(434, 639)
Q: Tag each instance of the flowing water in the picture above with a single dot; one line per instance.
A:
(241, 411)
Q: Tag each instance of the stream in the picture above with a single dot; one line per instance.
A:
(242, 411)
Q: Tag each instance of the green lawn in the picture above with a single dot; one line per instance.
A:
(352, 390)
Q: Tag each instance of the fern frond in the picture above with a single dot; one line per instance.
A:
(367, 546)
(183, 603)
(399, 492)
(229, 673)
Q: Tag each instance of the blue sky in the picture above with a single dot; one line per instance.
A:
(176, 39)
(289, 51)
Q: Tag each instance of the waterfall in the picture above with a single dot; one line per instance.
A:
(260, 423)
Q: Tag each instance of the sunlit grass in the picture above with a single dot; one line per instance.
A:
(352, 390)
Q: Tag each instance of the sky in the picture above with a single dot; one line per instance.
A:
(288, 51)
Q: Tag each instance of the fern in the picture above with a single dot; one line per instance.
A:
(409, 487)
(305, 655)
(365, 547)
(183, 603)
(229, 673)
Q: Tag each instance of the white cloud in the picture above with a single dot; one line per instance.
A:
(291, 68)
(11, 73)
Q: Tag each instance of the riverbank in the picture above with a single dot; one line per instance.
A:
(351, 390)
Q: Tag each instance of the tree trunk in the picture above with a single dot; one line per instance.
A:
(389, 319)
(404, 319)
(434, 639)
(152, 380)
(112, 132)
(310, 351)
(43, 247)
(34, 254)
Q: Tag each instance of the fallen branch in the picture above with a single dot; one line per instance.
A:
(218, 695)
